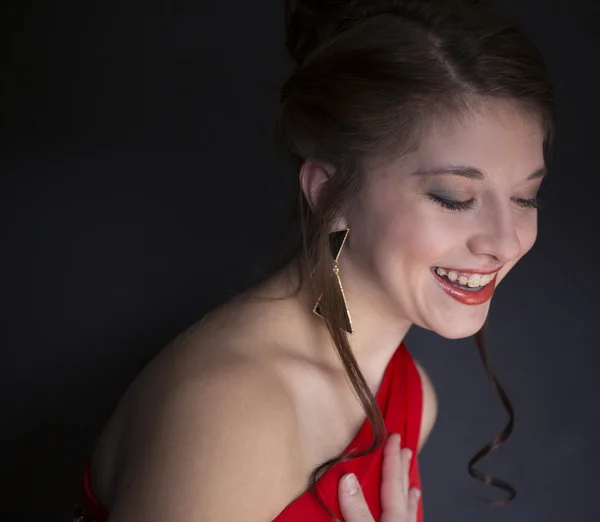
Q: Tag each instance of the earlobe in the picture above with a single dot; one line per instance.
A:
(312, 176)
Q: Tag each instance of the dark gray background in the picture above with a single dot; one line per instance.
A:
(140, 187)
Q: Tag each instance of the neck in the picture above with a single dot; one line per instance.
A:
(376, 333)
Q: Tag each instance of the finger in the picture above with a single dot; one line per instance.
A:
(392, 483)
(413, 504)
(353, 506)
(406, 459)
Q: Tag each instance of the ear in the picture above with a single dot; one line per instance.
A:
(313, 175)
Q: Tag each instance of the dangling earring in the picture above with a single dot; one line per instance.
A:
(336, 242)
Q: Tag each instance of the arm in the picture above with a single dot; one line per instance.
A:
(215, 454)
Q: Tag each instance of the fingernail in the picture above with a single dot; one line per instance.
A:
(410, 454)
(351, 484)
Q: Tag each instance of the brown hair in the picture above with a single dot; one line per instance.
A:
(369, 75)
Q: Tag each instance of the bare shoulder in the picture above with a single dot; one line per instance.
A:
(211, 449)
(430, 405)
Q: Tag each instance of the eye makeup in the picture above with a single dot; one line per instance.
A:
(452, 203)
(528, 202)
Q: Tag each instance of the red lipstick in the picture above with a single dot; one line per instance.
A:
(468, 297)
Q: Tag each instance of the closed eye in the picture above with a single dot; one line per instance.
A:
(461, 206)
(450, 204)
(528, 203)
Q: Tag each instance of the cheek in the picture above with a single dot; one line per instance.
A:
(413, 237)
(527, 233)
(402, 232)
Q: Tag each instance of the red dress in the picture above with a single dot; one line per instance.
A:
(400, 399)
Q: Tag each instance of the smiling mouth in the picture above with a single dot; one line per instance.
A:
(472, 282)
(468, 288)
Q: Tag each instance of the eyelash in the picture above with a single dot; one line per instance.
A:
(460, 206)
(448, 204)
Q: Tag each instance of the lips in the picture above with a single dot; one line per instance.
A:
(470, 296)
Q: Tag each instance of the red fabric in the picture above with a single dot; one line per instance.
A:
(400, 399)
(91, 506)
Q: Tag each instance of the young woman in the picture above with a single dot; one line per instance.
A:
(419, 130)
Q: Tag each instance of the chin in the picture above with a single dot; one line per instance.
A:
(459, 333)
(458, 328)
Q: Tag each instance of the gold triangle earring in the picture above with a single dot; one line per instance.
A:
(336, 242)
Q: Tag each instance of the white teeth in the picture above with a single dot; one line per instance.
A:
(473, 281)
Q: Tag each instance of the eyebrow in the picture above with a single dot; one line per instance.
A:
(470, 172)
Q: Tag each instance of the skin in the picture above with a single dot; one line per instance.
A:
(396, 234)
(399, 233)
(399, 502)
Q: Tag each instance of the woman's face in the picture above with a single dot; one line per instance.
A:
(479, 219)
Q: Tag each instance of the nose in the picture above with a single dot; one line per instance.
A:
(496, 235)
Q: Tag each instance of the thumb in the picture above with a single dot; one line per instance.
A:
(353, 505)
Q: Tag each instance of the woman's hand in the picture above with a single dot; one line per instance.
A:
(398, 502)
